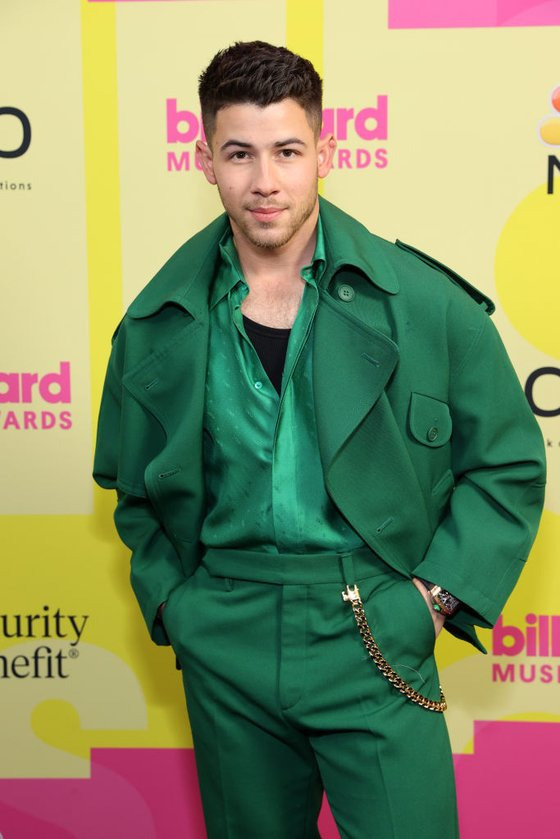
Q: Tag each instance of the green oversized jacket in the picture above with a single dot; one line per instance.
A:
(428, 445)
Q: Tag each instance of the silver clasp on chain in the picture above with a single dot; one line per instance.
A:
(351, 593)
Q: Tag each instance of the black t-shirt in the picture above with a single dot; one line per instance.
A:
(271, 345)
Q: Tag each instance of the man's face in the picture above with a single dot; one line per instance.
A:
(265, 163)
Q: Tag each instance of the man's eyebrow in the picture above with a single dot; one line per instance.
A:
(239, 143)
(290, 141)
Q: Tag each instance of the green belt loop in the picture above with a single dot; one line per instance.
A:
(348, 574)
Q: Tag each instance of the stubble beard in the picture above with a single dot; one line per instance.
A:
(283, 236)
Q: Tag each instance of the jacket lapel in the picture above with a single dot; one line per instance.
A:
(353, 357)
(170, 385)
(158, 382)
(171, 315)
(170, 318)
(365, 460)
(352, 364)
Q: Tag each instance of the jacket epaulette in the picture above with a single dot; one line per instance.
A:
(481, 298)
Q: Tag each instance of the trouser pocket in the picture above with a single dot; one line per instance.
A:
(398, 634)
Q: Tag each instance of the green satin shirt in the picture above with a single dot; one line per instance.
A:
(264, 479)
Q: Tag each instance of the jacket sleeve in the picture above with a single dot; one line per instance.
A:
(155, 567)
(498, 460)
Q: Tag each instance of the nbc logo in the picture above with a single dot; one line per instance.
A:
(549, 133)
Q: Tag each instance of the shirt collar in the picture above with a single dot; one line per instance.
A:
(230, 273)
(319, 261)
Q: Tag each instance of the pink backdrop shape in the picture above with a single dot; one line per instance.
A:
(509, 786)
(153, 793)
(140, 793)
(465, 14)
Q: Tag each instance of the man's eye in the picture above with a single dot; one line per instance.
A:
(287, 153)
(238, 155)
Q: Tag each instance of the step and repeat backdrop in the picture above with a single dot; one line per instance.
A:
(447, 118)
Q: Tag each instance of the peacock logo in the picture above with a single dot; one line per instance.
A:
(549, 128)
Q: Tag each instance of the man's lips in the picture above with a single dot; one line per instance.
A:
(266, 213)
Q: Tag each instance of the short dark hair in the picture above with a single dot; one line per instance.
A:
(259, 74)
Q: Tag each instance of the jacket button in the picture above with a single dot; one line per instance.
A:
(432, 434)
(346, 292)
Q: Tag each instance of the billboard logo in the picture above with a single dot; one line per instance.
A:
(539, 638)
(18, 151)
(549, 132)
(367, 126)
(28, 388)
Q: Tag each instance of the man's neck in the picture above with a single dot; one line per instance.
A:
(278, 265)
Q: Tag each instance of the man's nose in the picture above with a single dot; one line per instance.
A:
(264, 181)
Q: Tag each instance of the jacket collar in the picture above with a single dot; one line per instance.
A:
(349, 243)
(187, 276)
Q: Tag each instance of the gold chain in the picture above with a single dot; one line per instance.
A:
(352, 595)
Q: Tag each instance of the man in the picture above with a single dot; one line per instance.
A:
(296, 410)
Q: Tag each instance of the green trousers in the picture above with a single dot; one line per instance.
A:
(284, 701)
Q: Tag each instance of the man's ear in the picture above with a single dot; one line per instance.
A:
(205, 161)
(326, 148)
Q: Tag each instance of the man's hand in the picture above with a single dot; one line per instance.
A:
(437, 617)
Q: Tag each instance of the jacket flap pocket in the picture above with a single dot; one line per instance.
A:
(430, 420)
